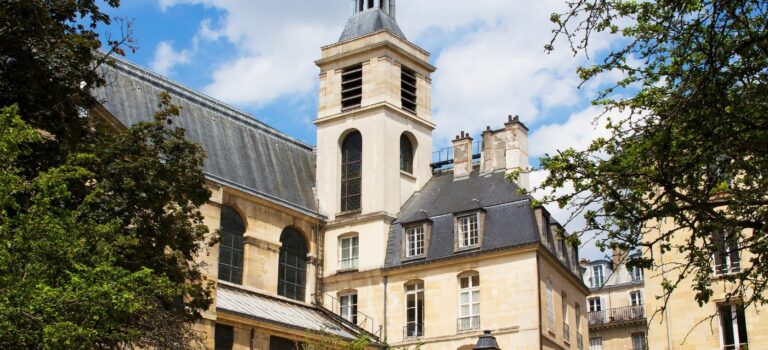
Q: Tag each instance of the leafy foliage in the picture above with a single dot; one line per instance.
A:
(690, 158)
(99, 228)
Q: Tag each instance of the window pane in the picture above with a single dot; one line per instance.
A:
(726, 325)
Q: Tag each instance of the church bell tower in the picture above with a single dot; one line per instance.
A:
(374, 129)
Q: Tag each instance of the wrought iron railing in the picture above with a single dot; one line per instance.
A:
(566, 332)
(743, 346)
(615, 315)
(358, 318)
(727, 269)
(443, 158)
(579, 341)
(467, 323)
(413, 330)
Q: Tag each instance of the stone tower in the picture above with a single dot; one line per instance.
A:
(374, 130)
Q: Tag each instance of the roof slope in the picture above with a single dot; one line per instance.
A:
(277, 311)
(509, 219)
(370, 21)
(243, 153)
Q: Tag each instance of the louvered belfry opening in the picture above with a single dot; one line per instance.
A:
(352, 87)
(408, 89)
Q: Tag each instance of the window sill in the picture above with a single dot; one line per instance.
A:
(414, 258)
(348, 213)
(407, 174)
(466, 249)
(347, 270)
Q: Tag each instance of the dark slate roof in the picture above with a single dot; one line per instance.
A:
(279, 311)
(242, 152)
(509, 219)
(370, 21)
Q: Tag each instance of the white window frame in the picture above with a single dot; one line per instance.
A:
(591, 306)
(637, 274)
(469, 319)
(566, 324)
(469, 232)
(597, 283)
(730, 245)
(737, 344)
(415, 241)
(636, 298)
(550, 306)
(643, 341)
(596, 343)
(352, 249)
(348, 307)
(412, 291)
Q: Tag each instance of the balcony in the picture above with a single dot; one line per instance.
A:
(579, 341)
(464, 324)
(619, 315)
(566, 332)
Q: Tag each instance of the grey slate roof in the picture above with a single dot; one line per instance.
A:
(370, 21)
(509, 219)
(243, 153)
(274, 310)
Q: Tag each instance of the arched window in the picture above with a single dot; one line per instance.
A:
(550, 306)
(231, 246)
(351, 171)
(414, 309)
(469, 301)
(292, 273)
(406, 154)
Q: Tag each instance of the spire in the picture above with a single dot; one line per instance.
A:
(370, 16)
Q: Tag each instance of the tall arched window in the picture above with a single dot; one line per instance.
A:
(406, 154)
(550, 306)
(231, 246)
(292, 273)
(351, 171)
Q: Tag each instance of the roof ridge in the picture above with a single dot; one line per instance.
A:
(225, 109)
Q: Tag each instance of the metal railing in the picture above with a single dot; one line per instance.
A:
(359, 319)
(615, 315)
(348, 264)
(727, 269)
(413, 330)
(443, 158)
(566, 332)
(743, 346)
(579, 341)
(467, 323)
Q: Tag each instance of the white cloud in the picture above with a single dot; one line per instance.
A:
(492, 63)
(166, 58)
(577, 132)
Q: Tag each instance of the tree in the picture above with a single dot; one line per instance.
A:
(693, 145)
(99, 228)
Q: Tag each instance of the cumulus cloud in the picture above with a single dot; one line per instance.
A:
(166, 58)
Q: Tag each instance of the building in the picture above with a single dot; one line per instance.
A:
(719, 324)
(364, 234)
(615, 305)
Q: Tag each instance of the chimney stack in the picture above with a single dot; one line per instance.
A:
(462, 156)
(506, 149)
(617, 256)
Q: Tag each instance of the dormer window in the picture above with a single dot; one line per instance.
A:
(597, 276)
(352, 87)
(469, 230)
(469, 235)
(408, 89)
(415, 241)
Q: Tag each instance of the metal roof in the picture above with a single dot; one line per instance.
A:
(242, 152)
(370, 21)
(278, 311)
(509, 218)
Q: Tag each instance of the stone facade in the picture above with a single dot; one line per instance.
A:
(615, 305)
(392, 266)
(685, 325)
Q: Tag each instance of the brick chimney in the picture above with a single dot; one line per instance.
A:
(462, 156)
(506, 149)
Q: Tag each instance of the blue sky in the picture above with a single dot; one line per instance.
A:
(258, 56)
